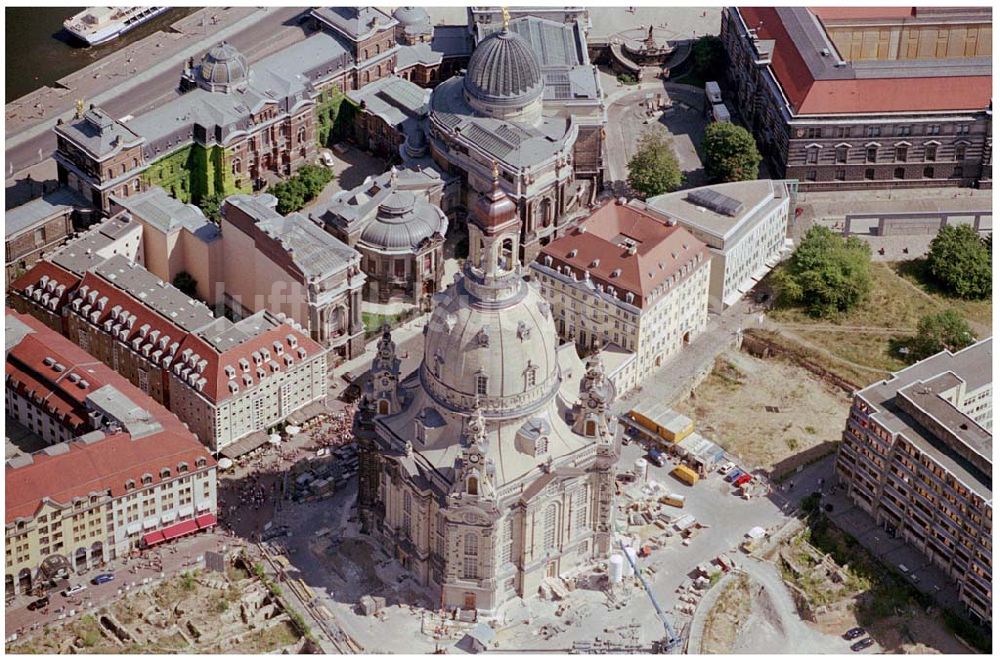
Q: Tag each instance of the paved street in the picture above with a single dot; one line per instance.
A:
(155, 79)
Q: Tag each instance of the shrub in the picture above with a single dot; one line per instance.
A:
(961, 262)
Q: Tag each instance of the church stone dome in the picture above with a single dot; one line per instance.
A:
(503, 70)
(222, 68)
(413, 19)
(467, 339)
(403, 223)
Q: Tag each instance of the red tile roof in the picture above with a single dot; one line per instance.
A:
(102, 466)
(661, 250)
(48, 272)
(116, 297)
(870, 95)
(216, 387)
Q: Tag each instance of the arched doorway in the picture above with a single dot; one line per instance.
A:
(8, 585)
(80, 559)
(24, 580)
(687, 337)
(97, 554)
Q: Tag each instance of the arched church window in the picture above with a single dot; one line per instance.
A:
(529, 376)
(549, 535)
(471, 547)
(580, 508)
(472, 486)
(590, 428)
(481, 383)
(541, 446)
(505, 260)
(383, 407)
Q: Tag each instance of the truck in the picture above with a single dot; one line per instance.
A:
(685, 474)
(676, 500)
(657, 456)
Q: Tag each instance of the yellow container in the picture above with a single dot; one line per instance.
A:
(685, 474)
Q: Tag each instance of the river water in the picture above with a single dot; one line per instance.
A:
(39, 52)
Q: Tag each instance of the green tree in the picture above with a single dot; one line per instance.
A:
(960, 262)
(314, 178)
(186, 283)
(653, 169)
(730, 153)
(827, 274)
(211, 206)
(709, 56)
(939, 331)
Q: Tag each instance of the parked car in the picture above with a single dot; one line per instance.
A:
(854, 633)
(326, 158)
(726, 468)
(103, 579)
(861, 645)
(734, 474)
(657, 457)
(742, 480)
(39, 603)
(73, 590)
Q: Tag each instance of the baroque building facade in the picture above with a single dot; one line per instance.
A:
(491, 467)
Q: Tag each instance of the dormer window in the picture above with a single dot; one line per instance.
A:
(147, 479)
(541, 446)
(164, 473)
(200, 462)
(182, 467)
(129, 485)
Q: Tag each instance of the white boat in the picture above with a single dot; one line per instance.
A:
(99, 25)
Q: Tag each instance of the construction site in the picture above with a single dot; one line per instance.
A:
(199, 611)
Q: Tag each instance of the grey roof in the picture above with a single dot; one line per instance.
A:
(285, 77)
(167, 214)
(130, 277)
(965, 452)
(222, 334)
(415, 20)
(403, 223)
(99, 134)
(358, 204)
(515, 144)
(503, 66)
(554, 43)
(753, 195)
(223, 65)
(353, 22)
(114, 404)
(393, 99)
(314, 251)
(83, 253)
(14, 331)
(452, 40)
(422, 53)
(41, 209)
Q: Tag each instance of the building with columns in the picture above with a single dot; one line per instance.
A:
(491, 467)
(119, 472)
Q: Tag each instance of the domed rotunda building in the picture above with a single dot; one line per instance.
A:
(531, 103)
(491, 466)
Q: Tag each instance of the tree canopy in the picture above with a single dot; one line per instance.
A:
(960, 262)
(294, 193)
(827, 274)
(654, 169)
(730, 153)
(211, 206)
(709, 54)
(937, 332)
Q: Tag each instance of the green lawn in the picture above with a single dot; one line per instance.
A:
(865, 335)
(373, 321)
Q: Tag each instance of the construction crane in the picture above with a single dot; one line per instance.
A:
(671, 641)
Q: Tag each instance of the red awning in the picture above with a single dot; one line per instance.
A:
(154, 538)
(205, 521)
(181, 529)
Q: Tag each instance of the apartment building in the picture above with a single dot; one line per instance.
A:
(290, 265)
(167, 344)
(744, 225)
(917, 456)
(865, 97)
(624, 279)
(38, 227)
(119, 472)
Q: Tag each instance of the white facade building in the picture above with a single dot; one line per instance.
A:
(744, 224)
(626, 284)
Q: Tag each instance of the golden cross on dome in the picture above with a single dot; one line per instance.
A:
(79, 108)
(506, 17)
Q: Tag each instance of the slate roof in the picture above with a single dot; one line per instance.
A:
(356, 23)
(167, 214)
(85, 252)
(99, 134)
(57, 202)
